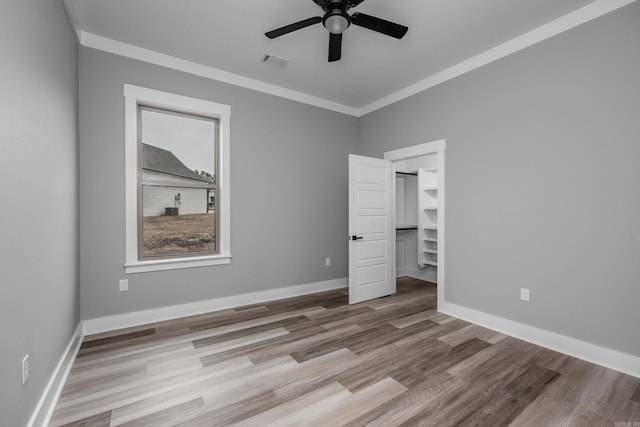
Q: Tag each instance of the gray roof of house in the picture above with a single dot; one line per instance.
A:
(164, 161)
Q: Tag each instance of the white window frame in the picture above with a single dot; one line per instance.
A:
(134, 96)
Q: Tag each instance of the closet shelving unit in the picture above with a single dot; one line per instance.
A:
(428, 217)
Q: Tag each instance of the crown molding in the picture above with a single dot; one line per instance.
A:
(544, 32)
(571, 20)
(71, 12)
(146, 55)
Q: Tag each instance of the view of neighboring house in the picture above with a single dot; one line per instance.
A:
(168, 183)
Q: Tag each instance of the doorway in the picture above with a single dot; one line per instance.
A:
(374, 222)
(427, 160)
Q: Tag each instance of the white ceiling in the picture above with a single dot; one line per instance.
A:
(228, 35)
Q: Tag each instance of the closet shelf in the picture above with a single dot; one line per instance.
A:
(430, 227)
(430, 251)
(430, 239)
(431, 208)
(433, 263)
(406, 227)
(430, 188)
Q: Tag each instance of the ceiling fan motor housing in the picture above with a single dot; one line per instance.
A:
(336, 19)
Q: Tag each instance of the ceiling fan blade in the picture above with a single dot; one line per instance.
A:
(293, 27)
(335, 47)
(380, 25)
(354, 3)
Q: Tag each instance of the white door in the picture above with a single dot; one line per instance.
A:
(371, 229)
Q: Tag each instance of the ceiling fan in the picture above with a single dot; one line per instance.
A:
(337, 20)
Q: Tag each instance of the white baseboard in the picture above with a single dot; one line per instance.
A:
(47, 403)
(622, 362)
(426, 275)
(137, 318)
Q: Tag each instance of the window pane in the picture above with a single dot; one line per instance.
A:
(177, 184)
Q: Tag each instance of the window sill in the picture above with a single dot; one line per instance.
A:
(175, 264)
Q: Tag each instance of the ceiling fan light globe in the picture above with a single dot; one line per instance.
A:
(336, 23)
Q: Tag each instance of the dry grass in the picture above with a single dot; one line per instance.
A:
(181, 234)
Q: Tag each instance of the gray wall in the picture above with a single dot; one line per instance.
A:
(39, 305)
(542, 176)
(288, 200)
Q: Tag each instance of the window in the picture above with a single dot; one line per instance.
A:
(177, 181)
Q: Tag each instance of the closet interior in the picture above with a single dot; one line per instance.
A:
(416, 217)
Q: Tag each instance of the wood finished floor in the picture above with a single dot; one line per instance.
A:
(316, 361)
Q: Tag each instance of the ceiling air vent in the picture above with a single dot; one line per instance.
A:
(273, 60)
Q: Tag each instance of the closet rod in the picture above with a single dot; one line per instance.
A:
(408, 173)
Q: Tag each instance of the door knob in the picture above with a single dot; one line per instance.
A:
(354, 237)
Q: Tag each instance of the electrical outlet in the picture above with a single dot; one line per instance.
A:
(124, 285)
(524, 294)
(327, 262)
(25, 369)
